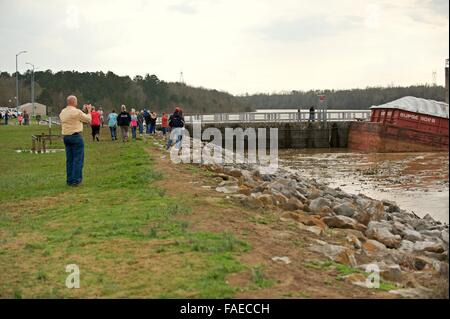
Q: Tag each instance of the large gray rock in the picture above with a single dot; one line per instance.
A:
(362, 217)
(391, 273)
(419, 263)
(391, 207)
(382, 233)
(428, 218)
(398, 228)
(232, 171)
(227, 188)
(282, 186)
(344, 209)
(363, 201)
(407, 246)
(368, 210)
(420, 224)
(248, 178)
(343, 222)
(336, 253)
(429, 246)
(293, 204)
(330, 191)
(431, 233)
(411, 235)
(320, 205)
(376, 210)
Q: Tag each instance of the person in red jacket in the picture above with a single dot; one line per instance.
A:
(95, 124)
(164, 123)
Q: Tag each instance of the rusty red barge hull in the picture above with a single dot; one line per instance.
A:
(394, 130)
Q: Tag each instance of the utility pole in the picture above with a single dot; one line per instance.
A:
(17, 79)
(182, 78)
(32, 87)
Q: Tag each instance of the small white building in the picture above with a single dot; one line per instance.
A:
(39, 109)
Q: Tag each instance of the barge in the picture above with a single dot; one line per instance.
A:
(408, 124)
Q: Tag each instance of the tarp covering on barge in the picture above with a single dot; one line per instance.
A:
(417, 105)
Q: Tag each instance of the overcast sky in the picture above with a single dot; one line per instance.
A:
(234, 45)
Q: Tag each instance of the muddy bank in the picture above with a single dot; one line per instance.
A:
(418, 182)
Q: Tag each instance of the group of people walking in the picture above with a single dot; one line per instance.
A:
(22, 118)
(136, 121)
(72, 120)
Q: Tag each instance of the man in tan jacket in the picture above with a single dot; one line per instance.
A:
(72, 120)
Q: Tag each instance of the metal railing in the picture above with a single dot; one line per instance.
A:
(249, 117)
(303, 116)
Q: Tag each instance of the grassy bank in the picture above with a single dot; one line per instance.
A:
(127, 236)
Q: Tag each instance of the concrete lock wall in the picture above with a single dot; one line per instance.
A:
(293, 135)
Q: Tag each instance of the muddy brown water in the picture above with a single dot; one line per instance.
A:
(418, 182)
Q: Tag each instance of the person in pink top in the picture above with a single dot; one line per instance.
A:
(134, 123)
(95, 124)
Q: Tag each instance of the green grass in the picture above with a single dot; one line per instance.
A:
(259, 279)
(125, 233)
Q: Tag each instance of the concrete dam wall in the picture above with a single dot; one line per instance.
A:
(291, 135)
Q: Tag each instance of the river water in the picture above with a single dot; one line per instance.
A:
(418, 182)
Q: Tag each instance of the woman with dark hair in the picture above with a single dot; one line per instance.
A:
(176, 122)
(95, 124)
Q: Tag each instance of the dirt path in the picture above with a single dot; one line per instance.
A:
(263, 231)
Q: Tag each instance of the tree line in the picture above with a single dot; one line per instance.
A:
(109, 91)
(353, 99)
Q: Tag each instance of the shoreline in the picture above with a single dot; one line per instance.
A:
(413, 180)
(401, 244)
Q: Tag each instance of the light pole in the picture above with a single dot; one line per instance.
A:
(17, 80)
(32, 86)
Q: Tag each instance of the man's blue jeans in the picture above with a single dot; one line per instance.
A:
(152, 128)
(148, 128)
(113, 130)
(141, 128)
(74, 158)
(176, 136)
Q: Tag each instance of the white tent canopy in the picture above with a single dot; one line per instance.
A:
(39, 109)
(417, 105)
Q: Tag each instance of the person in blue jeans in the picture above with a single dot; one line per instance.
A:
(112, 124)
(74, 158)
(147, 118)
(133, 123)
(72, 120)
(176, 123)
(153, 118)
(140, 118)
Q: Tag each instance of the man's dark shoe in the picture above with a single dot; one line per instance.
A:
(75, 185)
